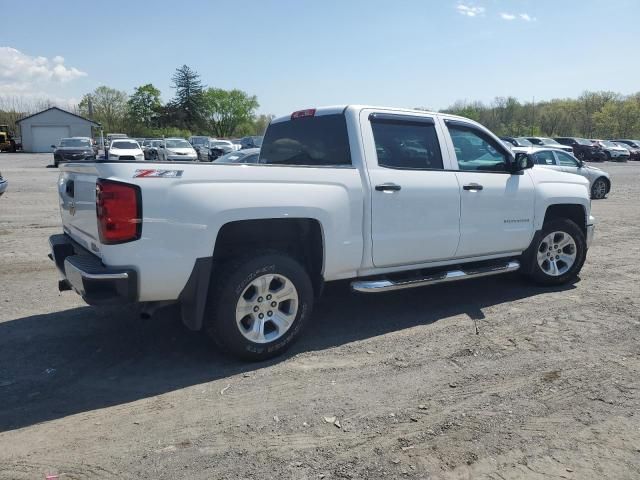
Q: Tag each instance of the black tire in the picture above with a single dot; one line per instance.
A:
(608, 155)
(229, 284)
(530, 262)
(597, 193)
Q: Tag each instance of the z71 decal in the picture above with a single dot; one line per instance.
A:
(153, 173)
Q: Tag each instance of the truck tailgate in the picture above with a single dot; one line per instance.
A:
(77, 195)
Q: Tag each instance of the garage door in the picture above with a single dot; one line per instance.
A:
(45, 136)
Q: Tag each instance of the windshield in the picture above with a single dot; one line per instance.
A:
(583, 141)
(219, 142)
(609, 144)
(199, 140)
(125, 145)
(549, 141)
(75, 142)
(178, 143)
(523, 142)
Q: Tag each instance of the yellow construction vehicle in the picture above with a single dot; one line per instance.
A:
(8, 142)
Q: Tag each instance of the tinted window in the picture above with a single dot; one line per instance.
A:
(407, 145)
(125, 145)
(75, 142)
(477, 151)
(566, 160)
(544, 158)
(310, 141)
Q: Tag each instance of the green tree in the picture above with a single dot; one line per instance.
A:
(226, 110)
(188, 104)
(107, 106)
(144, 105)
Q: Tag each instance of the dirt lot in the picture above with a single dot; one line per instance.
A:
(548, 389)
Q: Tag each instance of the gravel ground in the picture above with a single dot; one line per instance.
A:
(548, 389)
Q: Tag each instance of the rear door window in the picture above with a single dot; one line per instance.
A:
(405, 143)
(307, 141)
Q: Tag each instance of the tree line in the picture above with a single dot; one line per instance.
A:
(200, 110)
(591, 115)
(194, 110)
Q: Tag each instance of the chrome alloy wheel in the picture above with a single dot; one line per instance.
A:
(557, 253)
(599, 189)
(267, 308)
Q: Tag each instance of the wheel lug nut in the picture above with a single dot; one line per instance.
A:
(261, 316)
(557, 257)
(255, 309)
(273, 304)
(268, 297)
(269, 313)
(259, 299)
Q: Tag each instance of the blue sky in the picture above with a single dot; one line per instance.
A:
(296, 54)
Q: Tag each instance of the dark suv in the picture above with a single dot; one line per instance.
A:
(583, 149)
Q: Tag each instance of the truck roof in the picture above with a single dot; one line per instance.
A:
(334, 109)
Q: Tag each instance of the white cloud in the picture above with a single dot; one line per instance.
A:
(527, 18)
(18, 67)
(522, 16)
(469, 10)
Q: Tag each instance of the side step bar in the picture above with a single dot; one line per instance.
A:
(386, 285)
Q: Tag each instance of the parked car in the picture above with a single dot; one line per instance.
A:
(3, 184)
(389, 198)
(176, 150)
(634, 152)
(248, 155)
(631, 143)
(254, 141)
(599, 180)
(613, 151)
(73, 149)
(150, 148)
(549, 142)
(218, 148)
(198, 140)
(517, 141)
(125, 149)
(583, 149)
(110, 138)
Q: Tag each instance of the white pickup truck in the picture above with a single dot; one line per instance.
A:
(388, 198)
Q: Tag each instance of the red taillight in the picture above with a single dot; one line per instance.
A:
(119, 211)
(310, 112)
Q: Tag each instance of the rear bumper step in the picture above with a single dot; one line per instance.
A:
(85, 273)
(387, 285)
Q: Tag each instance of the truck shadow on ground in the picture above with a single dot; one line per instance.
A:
(78, 360)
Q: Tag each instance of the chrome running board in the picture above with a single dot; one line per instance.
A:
(386, 285)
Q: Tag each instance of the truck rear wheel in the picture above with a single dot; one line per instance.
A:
(557, 253)
(259, 305)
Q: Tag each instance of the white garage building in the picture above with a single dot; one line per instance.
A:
(43, 129)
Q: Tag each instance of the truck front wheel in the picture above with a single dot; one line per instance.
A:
(557, 253)
(259, 305)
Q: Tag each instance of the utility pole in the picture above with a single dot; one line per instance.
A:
(533, 115)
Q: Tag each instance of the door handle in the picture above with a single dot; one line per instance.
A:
(388, 187)
(474, 187)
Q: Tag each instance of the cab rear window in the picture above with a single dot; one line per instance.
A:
(309, 141)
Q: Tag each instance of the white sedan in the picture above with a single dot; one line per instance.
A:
(125, 149)
(176, 150)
